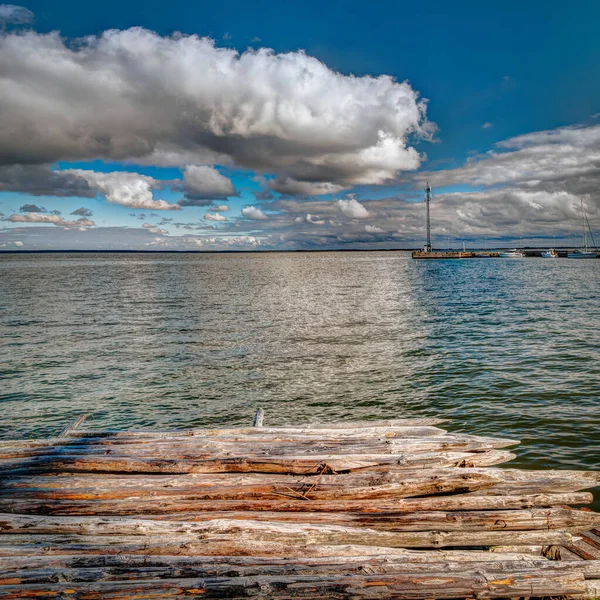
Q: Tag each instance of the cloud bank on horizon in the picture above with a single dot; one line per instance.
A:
(301, 131)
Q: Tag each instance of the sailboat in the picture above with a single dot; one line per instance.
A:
(584, 252)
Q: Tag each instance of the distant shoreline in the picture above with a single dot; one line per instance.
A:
(321, 250)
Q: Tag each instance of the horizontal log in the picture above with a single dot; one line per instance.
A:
(96, 486)
(565, 519)
(35, 570)
(396, 586)
(301, 465)
(241, 534)
(216, 487)
(191, 545)
(263, 435)
(269, 433)
(164, 506)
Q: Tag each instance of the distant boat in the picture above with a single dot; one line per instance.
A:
(584, 252)
(514, 253)
(552, 253)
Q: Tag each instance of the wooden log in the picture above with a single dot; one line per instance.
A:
(565, 519)
(75, 425)
(162, 506)
(413, 440)
(385, 423)
(222, 535)
(137, 437)
(259, 417)
(79, 486)
(368, 559)
(483, 584)
(34, 570)
(44, 569)
(301, 465)
(420, 484)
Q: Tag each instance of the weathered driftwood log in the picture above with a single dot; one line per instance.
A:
(301, 465)
(75, 425)
(393, 430)
(226, 537)
(161, 507)
(407, 440)
(564, 519)
(47, 569)
(96, 485)
(419, 484)
(397, 586)
(259, 418)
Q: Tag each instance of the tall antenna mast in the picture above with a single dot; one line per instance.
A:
(427, 201)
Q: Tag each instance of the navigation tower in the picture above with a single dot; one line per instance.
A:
(427, 201)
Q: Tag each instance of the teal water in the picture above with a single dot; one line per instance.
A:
(500, 347)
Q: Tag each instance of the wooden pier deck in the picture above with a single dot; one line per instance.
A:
(364, 510)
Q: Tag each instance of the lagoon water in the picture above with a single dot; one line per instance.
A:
(502, 347)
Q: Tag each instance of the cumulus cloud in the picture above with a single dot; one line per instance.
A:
(18, 243)
(352, 208)
(203, 184)
(373, 229)
(153, 229)
(220, 208)
(487, 125)
(16, 15)
(565, 158)
(135, 96)
(215, 216)
(52, 219)
(127, 189)
(253, 213)
(83, 212)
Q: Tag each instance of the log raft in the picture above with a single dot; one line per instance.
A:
(397, 509)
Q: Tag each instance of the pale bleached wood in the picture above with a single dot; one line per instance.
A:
(161, 506)
(74, 425)
(397, 586)
(249, 487)
(109, 567)
(222, 535)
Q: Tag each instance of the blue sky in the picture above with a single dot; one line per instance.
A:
(491, 73)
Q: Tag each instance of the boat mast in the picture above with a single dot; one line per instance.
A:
(585, 244)
(427, 201)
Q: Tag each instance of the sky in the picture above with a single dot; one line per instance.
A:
(270, 125)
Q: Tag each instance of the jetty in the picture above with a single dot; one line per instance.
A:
(396, 509)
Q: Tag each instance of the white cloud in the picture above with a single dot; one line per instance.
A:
(352, 208)
(220, 208)
(253, 213)
(33, 217)
(18, 243)
(205, 183)
(487, 125)
(373, 229)
(215, 216)
(133, 95)
(127, 189)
